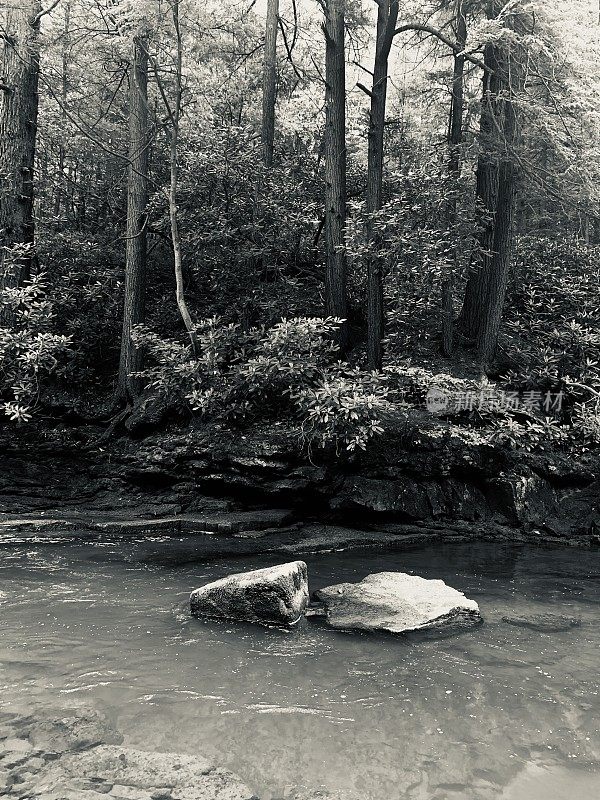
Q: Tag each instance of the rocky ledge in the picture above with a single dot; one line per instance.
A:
(252, 486)
(79, 756)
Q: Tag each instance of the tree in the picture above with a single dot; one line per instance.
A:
(175, 117)
(496, 185)
(489, 328)
(269, 83)
(336, 301)
(387, 16)
(19, 75)
(455, 137)
(61, 192)
(137, 200)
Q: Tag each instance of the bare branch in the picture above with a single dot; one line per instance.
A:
(454, 46)
(288, 49)
(35, 21)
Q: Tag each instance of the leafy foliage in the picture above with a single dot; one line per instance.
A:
(290, 368)
(29, 350)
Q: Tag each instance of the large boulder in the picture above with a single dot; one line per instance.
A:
(396, 602)
(274, 594)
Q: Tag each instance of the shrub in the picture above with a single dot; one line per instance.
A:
(291, 368)
(29, 350)
(237, 372)
(553, 316)
(345, 408)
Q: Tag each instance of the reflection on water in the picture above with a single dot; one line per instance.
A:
(499, 712)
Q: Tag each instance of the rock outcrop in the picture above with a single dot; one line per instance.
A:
(68, 758)
(119, 772)
(396, 602)
(272, 595)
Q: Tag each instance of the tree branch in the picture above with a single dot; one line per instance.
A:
(288, 48)
(35, 21)
(454, 46)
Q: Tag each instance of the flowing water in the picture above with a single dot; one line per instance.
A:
(498, 711)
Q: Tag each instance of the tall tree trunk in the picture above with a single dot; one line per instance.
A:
(335, 166)
(175, 237)
(19, 72)
(137, 200)
(455, 137)
(387, 16)
(269, 82)
(487, 338)
(61, 188)
(490, 136)
(509, 75)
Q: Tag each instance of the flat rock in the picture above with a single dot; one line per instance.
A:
(546, 623)
(118, 772)
(16, 745)
(396, 602)
(272, 595)
(74, 730)
(232, 523)
(81, 758)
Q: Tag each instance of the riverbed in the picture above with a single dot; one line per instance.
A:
(500, 711)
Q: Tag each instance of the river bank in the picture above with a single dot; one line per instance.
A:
(256, 492)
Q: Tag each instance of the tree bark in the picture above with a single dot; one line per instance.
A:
(335, 166)
(19, 73)
(490, 134)
(487, 338)
(387, 17)
(269, 83)
(489, 285)
(455, 137)
(137, 199)
(61, 189)
(175, 237)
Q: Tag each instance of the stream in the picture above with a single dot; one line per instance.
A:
(499, 711)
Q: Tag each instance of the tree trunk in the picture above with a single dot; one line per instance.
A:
(472, 313)
(269, 83)
(66, 47)
(19, 72)
(509, 73)
(175, 237)
(387, 16)
(137, 199)
(335, 166)
(455, 137)
(487, 338)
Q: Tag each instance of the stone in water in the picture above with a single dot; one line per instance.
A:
(396, 602)
(272, 595)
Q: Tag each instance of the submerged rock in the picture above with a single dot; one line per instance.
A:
(274, 594)
(75, 754)
(122, 772)
(545, 623)
(396, 602)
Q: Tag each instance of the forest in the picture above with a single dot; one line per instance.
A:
(300, 399)
(334, 215)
